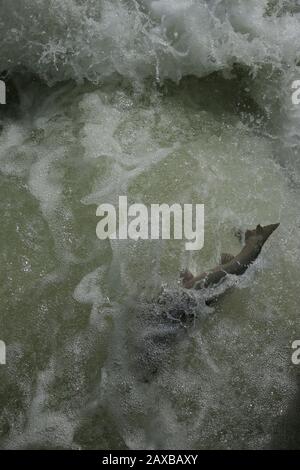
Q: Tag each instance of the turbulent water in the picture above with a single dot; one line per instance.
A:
(164, 101)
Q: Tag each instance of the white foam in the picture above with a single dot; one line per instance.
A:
(164, 38)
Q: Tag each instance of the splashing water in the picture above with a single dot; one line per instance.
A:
(164, 101)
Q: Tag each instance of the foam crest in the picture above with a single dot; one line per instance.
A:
(71, 39)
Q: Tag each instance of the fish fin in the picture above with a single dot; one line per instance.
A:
(186, 275)
(187, 279)
(226, 258)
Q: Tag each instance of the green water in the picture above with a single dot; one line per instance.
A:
(70, 330)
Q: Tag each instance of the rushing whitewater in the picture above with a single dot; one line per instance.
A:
(74, 39)
(162, 101)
